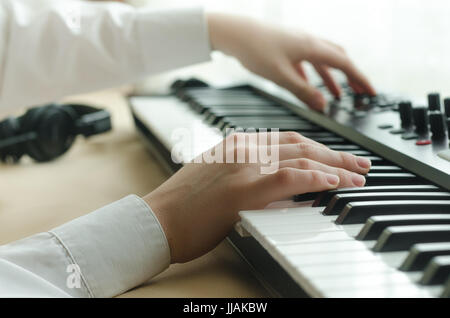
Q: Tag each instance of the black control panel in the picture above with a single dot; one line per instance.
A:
(416, 137)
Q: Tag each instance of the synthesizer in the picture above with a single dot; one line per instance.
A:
(390, 238)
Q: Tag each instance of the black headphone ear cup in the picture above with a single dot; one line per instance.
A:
(55, 132)
(9, 128)
(30, 122)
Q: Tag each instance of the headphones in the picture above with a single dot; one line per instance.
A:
(45, 133)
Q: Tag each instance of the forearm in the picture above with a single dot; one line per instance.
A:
(115, 248)
(233, 34)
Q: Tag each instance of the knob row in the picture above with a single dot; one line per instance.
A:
(423, 117)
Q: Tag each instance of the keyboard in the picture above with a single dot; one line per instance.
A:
(390, 238)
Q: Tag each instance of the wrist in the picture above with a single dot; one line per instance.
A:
(211, 20)
(163, 219)
(223, 31)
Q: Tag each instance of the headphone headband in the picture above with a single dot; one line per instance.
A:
(91, 121)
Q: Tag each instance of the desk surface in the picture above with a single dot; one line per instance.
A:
(38, 197)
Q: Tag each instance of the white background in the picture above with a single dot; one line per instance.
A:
(402, 45)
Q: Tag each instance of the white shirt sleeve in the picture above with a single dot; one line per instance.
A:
(101, 254)
(52, 48)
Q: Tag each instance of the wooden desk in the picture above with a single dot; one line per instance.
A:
(38, 197)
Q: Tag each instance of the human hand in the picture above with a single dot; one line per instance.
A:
(198, 206)
(277, 55)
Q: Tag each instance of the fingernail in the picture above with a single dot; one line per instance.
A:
(333, 179)
(363, 162)
(358, 180)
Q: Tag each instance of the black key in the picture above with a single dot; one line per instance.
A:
(321, 134)
(305, 196)
(359, 152)
(437, 272)
(211, 109)
(301, 127)
(262, 122)
(189, 94)
(421, 254)
(359, 212)
(324, 197)
(339, 201)
(385, 169)
(215, 116)
(376, 179)
(344, 147)
(375, 225)
(247, 112)
(327, 140)
(446, 292)
(203, 106)
(378, 161)
(231, 99)
(266, 121)
(208, 91)
(400, 238)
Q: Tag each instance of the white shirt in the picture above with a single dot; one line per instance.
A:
(52, 48)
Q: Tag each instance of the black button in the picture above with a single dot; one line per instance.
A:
(397, 131)
(385, 126)
(410, 136)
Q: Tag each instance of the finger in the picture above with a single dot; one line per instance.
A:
(355, 87)
(346, 178)
(329, 81)
(287, 182)
(291, 80)
(326, 156)
(324, 53)
(302, 72)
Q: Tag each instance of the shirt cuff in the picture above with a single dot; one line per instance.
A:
(181, 38)
(117, 247)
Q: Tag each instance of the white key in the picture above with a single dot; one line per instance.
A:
(393, 259)
(294, 219)
(175, 117)
(362, 281)
(401, 291)
(276, 228)
(345, 269)
(352, 229)
(315, 248)
(280, 212)
(288, 204)
(331, 258)
(307, 237)
(369, 244)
